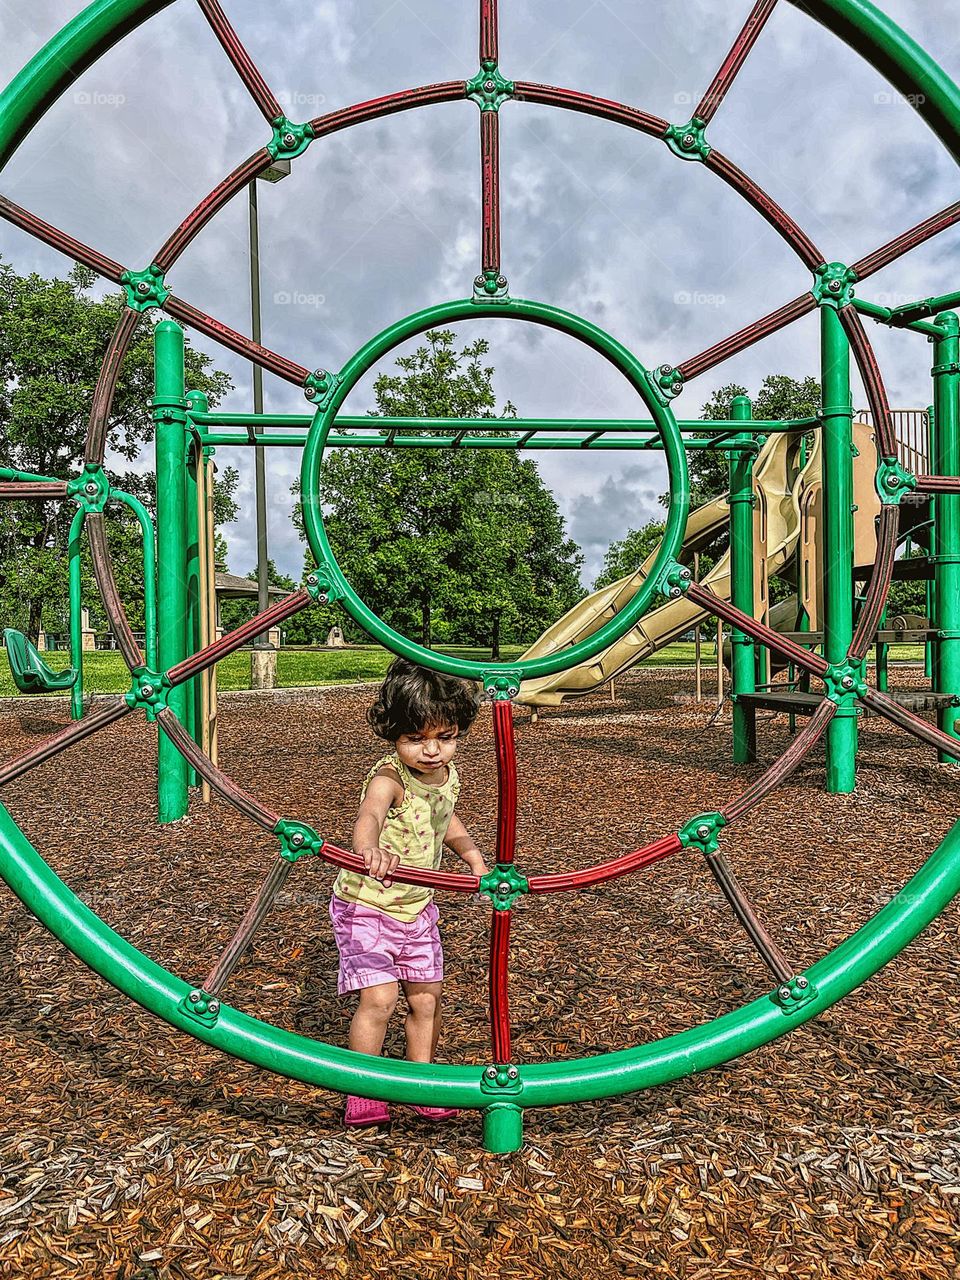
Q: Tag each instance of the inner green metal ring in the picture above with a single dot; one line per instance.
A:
(536, 313)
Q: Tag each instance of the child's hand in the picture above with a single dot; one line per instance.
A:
(380, 863)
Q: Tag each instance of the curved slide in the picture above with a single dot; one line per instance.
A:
(776, 482)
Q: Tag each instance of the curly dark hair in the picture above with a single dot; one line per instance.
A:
(411, 698)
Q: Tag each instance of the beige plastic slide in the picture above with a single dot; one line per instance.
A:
(778, 481)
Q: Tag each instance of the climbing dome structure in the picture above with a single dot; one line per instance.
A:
(501, 1087)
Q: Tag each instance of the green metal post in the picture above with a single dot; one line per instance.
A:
(503, 1127)
(838, 538)
(946, 529)
(883, 657)
(76, 612)
(929, 647)
(169, 411)
(197, 402)
(742, 648)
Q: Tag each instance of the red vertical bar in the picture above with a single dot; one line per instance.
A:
(489, 41)
(506, 846)
(490, 200)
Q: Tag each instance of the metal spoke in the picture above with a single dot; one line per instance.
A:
(57, 239)
(253, 918)
(236, 639)
(506, 847)
(234, 341)
(804, 658)
(743, 909)
(781, 769)
(744, 338)
(74, 732)
(246, 68)
(759, 14)
(917, 235)
(32, 490)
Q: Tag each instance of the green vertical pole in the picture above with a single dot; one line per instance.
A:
(742, 648)
(929, 647)
(946, 530)
(169, 411)
(883, 655)
(197, 402)
(502, 1127)
(76, 613)
(838, 538)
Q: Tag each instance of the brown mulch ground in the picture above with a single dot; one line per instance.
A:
(127, 1150)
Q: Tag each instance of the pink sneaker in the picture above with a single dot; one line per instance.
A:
(363, 1113)
(437, 1113)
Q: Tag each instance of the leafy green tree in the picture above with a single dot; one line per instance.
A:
(454, 545)
(53, 335)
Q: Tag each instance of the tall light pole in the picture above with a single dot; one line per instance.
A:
(276, 173)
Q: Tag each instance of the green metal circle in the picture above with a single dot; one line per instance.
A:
(536, 313)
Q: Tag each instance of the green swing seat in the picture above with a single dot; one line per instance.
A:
(30, 673)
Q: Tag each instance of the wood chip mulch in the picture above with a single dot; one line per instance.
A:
(130, 1152)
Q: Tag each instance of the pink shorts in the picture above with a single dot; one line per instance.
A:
(376, 948)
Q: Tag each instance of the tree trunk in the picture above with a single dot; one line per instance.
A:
(495, 641)
(426, 626)
(36, 618)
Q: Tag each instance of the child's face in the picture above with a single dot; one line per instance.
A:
(429, 751)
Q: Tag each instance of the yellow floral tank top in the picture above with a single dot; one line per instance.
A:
(414, 830)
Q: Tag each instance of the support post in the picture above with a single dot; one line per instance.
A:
(929, 647)
(838, 538)
(946, 528)
(502, 1127)
(742, 648)
(192, 565)
(169, 411)
(76, 613)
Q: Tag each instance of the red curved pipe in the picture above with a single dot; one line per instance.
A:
(58, 239)
(375, 108)
(811, 662)
(559, 881)
(449, 880)
(549, 95)
(33, 489)
(778, 218)
(781, 769)
(489, 42)
(245, 66)
(896, 248)
(506, 780)
(210, 206)
(866, 359)
(938, 484)
(233, 640)
(106, 387)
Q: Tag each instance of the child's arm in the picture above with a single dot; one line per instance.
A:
(459, 839)
(383, 793)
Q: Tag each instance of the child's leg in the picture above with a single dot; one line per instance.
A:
(423, 1019)
(369, 1025)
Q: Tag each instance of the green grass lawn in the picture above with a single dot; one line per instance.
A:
(105, 672)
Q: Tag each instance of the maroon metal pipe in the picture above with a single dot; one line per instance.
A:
(866, 359)
(707, 107)
(803, 658)
(938, 484)
(106, 387)
(210, 206)
(448, 880)
(245, 66)
(905, 719)
(746, 913)
(556, 882)
(112, 604)
(58, 239)
(375, 108)
(489, 41)
(30, 490)
(234, 341)
(781, 769)
(74, 732)
(876, 594)
(233, 640)
(778, 218)
(909, 240)
(499, 996)
(253, 918)
(549, 95)
(490, 198)
(737, 342)
(241, 800)
(505, 747)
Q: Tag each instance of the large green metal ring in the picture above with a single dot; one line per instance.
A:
(537, 313)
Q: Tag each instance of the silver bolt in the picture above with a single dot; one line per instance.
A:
(312, 580)
(311, 393)
(297, 839)
(803, 983)
(846, 682)
(491, 1073)
(513, 1073)
(213, 1006)
(501, 282)
(147, 690)
(785, 993)
(686, 575)
(674, 592)
(323, 597)
(289, 139)
(194, 997)
(143, 286)
(320, 374)
(835, 286)
(665, 369)
(479, 281)
(503, 887)
(489, 85)
(893, 481)
(703, 832)
(91, 487)
(678, 386)
(689, 140)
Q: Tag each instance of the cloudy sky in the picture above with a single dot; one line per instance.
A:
(384, 219)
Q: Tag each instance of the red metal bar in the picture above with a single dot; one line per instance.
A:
(746, 913)
(781, 769)
(58, 239)
(876, 595)
(489, 40)
(106, 581)
(905, 719)
(938, 484)
(234, 640)
(737, 342)
(374, 108)
(253, 918)
(803, 658)
(866, 360)
(234, 341)
(506, 780)
(210, 206)
(645, 857)
(499, 996)
(106, 386)
(778, 218)
(551, 96)
(74, 732)
(241, 800)
(909, 240)
(448, 880)
(33, 489)
(244, 64)
(734, 60)
(490, 201)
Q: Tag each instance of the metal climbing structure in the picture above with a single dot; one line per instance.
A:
(161, 676)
